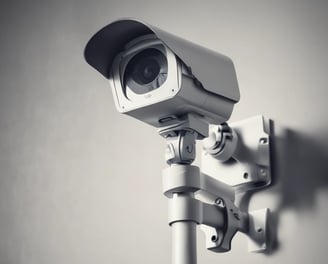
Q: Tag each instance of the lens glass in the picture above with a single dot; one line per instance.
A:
(146, 71)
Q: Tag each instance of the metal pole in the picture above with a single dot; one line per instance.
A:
(184, 249)
(184, 243)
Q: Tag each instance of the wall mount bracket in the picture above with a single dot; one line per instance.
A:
(249, 166)
(235, 160)
(246, 168)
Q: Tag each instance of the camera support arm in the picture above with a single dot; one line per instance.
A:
(196, 198)
(181, 182)
(222, 216)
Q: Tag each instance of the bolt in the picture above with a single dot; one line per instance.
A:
(263, 140)
(220, 202)
(189, 148)
(214, 238)
(262, 172)
(236, 216)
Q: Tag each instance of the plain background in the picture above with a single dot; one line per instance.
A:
(80, 183)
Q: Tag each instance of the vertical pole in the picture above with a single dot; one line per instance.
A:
(184, 249)
(180, 153)
(184, 243)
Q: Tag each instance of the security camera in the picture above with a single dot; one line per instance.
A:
(158, 78)
(181, 88)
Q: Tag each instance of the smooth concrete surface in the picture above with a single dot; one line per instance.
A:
(80, 183)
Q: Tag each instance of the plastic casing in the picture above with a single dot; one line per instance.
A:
(214, 98)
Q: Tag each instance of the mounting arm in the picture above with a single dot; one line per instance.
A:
(223, 216)
(195, 198)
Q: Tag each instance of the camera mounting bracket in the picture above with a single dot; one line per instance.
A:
(244, 163)
(248, 166)
(197, 198)
(181, 134)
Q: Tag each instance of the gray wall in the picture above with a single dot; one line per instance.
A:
(80, 183)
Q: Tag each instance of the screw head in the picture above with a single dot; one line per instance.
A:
(220, 202)
(259, 230)
(190, 148)
(263, 140)
(214, 238)
(263, 172)
(236, 215)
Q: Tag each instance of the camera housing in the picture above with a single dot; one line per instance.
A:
(158, 78)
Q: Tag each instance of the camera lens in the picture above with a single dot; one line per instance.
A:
(146, 71)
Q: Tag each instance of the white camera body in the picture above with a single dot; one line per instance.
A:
(158, 78)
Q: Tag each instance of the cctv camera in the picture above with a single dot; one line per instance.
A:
(157, 77)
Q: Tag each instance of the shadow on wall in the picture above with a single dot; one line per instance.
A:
(300, 170)
(301, 167)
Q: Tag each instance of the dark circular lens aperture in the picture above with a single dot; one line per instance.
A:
(146, 71)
